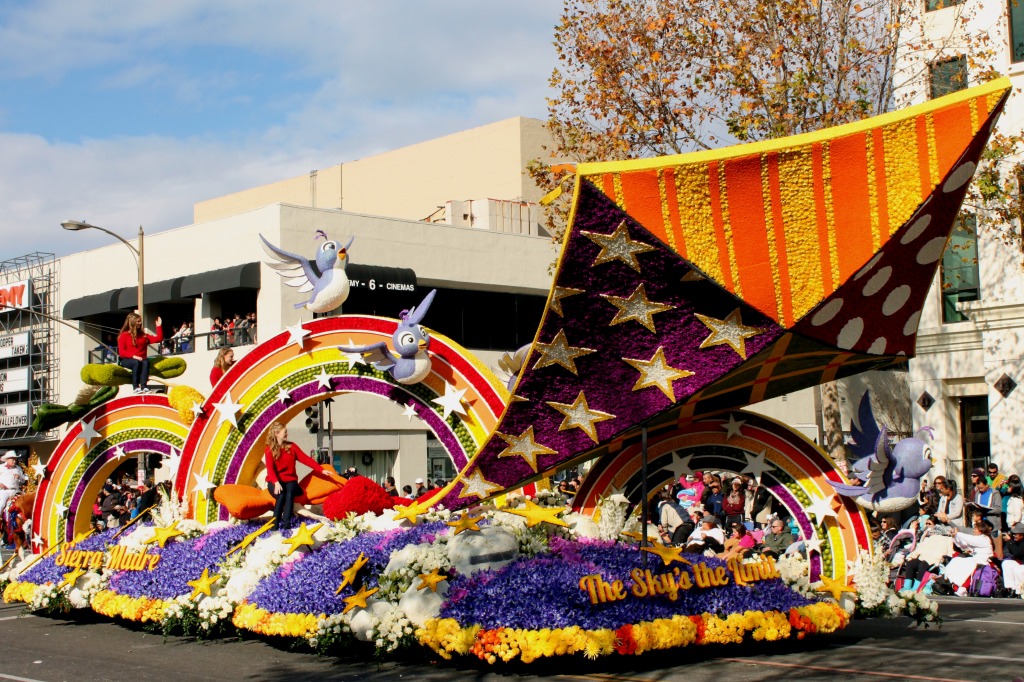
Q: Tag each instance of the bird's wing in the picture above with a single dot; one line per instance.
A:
(377, 354)
(299, 272)
(877, 464)
(849, 490)
(865, 430)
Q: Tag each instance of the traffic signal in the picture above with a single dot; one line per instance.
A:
(313, 419)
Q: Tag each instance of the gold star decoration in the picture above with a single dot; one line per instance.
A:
(476, 484)
(525, 446)
(632, 534)
(580, 416)
(348, 576)
(667, 554)
(358, 599)
(556, 298)
(162, 535)
(636, 307)
(71, 578)
(431, 580)
(658, 373)
(535, 514)
(730, 331)
(559, 352)
(834, 587)
(465, 522)
(618, 246)
(411, 512)
(303, 536)
(202, 584)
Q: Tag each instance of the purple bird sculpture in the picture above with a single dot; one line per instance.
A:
(412, 363)
(892, 476)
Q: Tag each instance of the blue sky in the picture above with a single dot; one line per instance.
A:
(127, 112)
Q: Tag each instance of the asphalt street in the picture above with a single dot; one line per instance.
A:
(980, 639)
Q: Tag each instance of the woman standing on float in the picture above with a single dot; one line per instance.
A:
(133, 348)
(280, 457)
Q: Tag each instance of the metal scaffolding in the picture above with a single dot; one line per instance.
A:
(29, 339)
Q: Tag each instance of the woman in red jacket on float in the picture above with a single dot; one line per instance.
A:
(280, 457)
(133, 347)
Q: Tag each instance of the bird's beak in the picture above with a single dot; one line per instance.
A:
(422, 344)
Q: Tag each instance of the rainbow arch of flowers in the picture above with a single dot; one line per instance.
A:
(800, 475)
(212, 448)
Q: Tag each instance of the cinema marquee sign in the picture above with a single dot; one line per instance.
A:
(15, 294)
(117, 559)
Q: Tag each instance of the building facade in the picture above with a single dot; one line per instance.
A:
(970, 346)
(482, 248)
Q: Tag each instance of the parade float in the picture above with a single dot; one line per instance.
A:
(688, 288)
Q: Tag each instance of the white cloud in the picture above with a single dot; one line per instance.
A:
(390, 73)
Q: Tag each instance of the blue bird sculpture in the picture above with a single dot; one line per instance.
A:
(892, 476)
(324, 278)
(411, 365)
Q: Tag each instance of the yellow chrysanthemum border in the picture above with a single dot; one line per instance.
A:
(447, 638)
(139, 609)
(250, 617)
(19, 591)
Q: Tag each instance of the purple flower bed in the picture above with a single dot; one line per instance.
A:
(180, 561)
(307, 585)
(47, 571)
(544, 592)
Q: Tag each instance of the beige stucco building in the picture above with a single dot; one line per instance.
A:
(484, 251)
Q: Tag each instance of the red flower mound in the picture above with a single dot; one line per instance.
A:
(359, 495)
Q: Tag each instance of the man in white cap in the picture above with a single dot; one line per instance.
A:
(12, 478)
(420, 488)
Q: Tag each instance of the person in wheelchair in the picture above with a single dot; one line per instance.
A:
(707, 536)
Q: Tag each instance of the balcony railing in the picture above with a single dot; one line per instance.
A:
(228, 338)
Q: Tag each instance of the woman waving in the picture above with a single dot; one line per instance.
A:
(133, 347)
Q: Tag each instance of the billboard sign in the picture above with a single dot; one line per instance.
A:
(15, 345)
(15, 294)
(14, 380)
(15, 415)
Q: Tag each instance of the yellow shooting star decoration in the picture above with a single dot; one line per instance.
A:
(251, 537)
(465, 522)
(348, 576)
(162, 535)
(303, 536)
(358, 599)
(71, 578)
(834, 587)
(431, 580)
(667, 554)
(535, 514)
(203, 584)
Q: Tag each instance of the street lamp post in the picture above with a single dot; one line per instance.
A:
(138, 253)
(140, 261)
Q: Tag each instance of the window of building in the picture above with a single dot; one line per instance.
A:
(932, 5)
(1016, 11)
(947, 76)
(974, 436)
(960, 278)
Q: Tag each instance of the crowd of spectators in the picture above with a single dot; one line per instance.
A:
(948, 542)
(960, 543)
(728, 516)
(233, 331)
(119, 503)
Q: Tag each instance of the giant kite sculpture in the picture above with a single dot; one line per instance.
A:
(688, 287)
